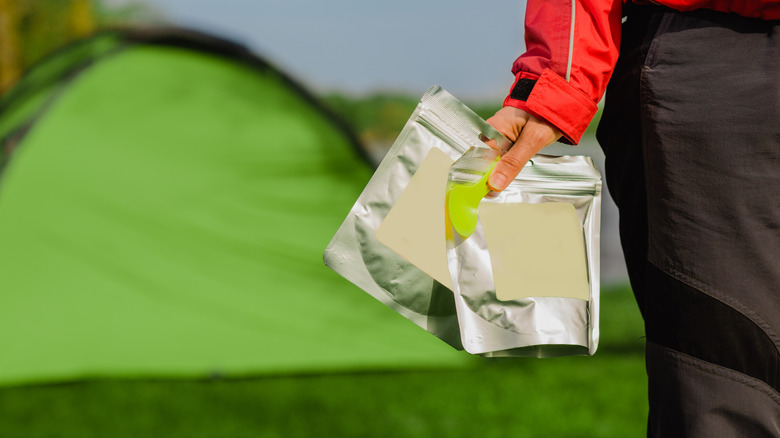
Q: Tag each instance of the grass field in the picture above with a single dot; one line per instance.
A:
(599, 396)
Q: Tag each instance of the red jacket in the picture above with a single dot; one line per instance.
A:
(572, 47)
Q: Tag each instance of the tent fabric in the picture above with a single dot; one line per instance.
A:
(164, 213)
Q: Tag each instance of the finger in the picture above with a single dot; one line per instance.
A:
(509, 122)
(492, 144)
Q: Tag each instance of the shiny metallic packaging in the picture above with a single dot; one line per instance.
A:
(397, 245)
(540, 237)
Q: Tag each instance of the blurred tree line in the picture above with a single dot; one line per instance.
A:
(31, 29)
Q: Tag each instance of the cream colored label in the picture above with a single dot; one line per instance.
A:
(536, 250)
(414, 228)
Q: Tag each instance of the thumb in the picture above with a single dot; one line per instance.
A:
(533, 138)
(508, 167)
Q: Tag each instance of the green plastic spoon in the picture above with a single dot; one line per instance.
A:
(463, 201)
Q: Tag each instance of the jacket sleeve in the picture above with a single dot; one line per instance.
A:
(571, 49)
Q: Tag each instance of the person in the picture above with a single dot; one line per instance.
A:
(691, 134)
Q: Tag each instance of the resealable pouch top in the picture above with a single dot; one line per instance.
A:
(392, 243)
(526, 272)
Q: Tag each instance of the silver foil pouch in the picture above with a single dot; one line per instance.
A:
(392, 243)
(526, 277)
(397, 242)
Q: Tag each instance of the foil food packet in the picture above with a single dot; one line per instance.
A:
(392, 242)
(397, 242)
(525, 273)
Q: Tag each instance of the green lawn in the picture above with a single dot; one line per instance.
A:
(599, 396)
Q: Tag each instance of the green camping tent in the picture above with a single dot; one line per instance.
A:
(165, 198)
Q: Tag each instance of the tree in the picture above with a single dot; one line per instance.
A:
(31, 29)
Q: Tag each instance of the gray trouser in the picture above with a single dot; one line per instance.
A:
(691, 132)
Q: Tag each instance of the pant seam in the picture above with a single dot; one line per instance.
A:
(719, 371)
(730, 301)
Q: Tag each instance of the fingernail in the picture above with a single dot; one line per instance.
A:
(497, 182)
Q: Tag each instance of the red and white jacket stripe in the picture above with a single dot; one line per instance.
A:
(572, 47)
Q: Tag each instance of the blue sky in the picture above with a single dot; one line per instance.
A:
(363, 46)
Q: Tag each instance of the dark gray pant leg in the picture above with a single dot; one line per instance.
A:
(691, 130)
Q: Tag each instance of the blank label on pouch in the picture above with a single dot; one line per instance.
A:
(414, 228)
(536, 250)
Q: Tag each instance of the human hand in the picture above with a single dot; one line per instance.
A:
(528, 134)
